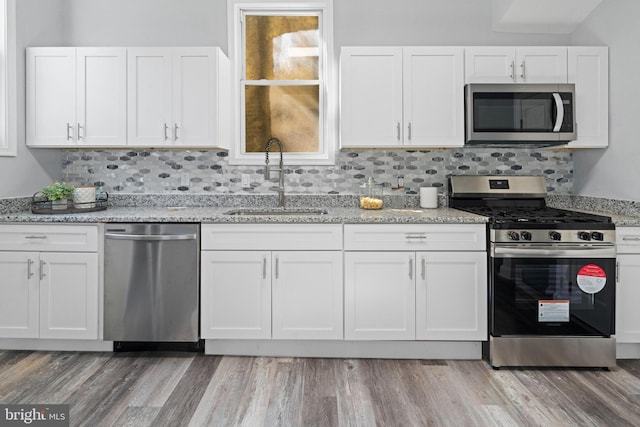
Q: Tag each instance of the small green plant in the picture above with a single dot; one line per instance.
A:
(58, 191)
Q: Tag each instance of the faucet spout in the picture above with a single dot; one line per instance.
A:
(280, 169)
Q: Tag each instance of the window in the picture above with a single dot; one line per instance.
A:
(283, 79)
(7, 79)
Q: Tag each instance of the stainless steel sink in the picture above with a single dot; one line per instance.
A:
(277, 211)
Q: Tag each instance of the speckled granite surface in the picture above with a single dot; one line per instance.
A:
(341, 209)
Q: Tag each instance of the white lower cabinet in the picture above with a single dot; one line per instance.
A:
(282, 290)
(379, 296)
(628, 285)
(47, 290)
(431, 285)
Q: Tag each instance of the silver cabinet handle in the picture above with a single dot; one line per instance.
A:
(175, 131)
(29, 272)
(166, 128)
(424, 268)
(511, 70)
(617, 272)
(277, 268)
(35, 236)
(411, 268)
(42, 264)
(79, 134)
(522, 74)
(69, 131)
(398, 131)
(264, 267)
(409, 133)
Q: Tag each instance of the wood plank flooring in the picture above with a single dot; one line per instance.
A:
(187, 389)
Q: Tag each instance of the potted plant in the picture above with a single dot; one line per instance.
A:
(58, 193)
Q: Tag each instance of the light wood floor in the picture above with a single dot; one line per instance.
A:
(175, 389)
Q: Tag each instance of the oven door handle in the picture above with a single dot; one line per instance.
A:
(552, 251)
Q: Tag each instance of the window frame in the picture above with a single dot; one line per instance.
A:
(8, 144)
(327, 79)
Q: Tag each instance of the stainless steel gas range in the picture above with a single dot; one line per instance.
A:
(551, 275)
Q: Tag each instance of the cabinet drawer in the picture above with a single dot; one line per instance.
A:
(444, 237)
(63, 238)
(272, 236)
(628, 240)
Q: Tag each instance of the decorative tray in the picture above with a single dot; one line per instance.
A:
(42, 205)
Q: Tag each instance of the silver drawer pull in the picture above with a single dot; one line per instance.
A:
(36, 236)
(416, 236)
(631, 238)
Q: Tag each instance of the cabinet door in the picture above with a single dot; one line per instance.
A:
(451, 296)
(194, 96)
(379, 296)
(68, 295)
(627, 297)
(371, 97)
(588, 69)
(19, 295)
(307, 295)
(433, 96)
(545, 64)
(490, 64)
(101, 97)
(235, 294)
(149, 96)
(51, 97)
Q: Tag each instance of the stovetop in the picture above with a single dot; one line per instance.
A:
(540, 217)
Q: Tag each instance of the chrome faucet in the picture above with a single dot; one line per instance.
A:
(280, 169)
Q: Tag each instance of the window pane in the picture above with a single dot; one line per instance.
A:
(282, 47)
(289, 113)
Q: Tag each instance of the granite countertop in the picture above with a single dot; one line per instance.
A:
(335, 215)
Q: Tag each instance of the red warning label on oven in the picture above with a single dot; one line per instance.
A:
(591, 278)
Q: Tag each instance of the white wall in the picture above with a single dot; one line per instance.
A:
(38, 22)
(614, 172)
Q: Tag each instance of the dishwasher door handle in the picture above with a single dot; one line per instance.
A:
(150, 237)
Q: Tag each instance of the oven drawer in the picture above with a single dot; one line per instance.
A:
(628, 240)
(400, 237)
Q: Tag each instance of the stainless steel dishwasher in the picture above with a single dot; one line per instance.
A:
(151, 283)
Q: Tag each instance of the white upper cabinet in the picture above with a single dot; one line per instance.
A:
(371, 96)
(176, 97)
(76, 97)
(588, 69)
(505, 64)
(394, 97)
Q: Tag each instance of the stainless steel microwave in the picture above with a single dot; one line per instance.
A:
(520, 114)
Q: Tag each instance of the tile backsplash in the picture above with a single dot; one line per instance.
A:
(208, 171)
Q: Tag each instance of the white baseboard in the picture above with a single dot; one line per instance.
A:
(347, 349)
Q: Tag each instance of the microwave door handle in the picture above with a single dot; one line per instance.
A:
(559, 112)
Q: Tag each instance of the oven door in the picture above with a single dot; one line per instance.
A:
(552, 290)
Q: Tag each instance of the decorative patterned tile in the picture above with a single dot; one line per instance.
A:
(208, 171)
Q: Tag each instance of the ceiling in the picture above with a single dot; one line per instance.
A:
(540, 16)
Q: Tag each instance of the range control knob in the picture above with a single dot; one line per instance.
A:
(583, 235)
(554, 235)
(525, 235)
(596, 235)
(513, 235)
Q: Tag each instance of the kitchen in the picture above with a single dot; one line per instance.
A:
(592, 173)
